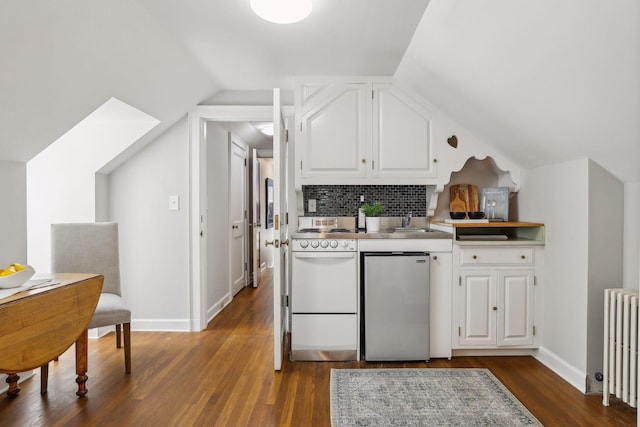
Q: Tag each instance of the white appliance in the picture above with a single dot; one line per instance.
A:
(324, 299)
(396, 306)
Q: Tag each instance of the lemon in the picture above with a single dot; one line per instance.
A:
(17, 267)
(8, 271)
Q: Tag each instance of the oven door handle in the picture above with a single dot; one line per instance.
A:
(325, 255)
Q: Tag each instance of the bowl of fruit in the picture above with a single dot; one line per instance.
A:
(15, 275)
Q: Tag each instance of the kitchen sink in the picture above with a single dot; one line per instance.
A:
(411, 230)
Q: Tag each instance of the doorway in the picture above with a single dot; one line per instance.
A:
(210, 237)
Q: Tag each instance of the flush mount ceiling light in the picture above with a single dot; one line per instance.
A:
(267, 129)
(282, 11)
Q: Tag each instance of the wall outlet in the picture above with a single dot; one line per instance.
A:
(312, 205)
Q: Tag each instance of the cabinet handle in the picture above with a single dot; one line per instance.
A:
(475, 257)
(435, 160)
(494, 308)
(523, 257)
(435, 257)
(364, 160)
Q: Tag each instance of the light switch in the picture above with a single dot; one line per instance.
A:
(312, 205)
(174, 203)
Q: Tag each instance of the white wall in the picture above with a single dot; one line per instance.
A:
(266, 252)
(13, 213)
(154, 241)
(217, 168)
(61, 183)
(606, 223)
(631, 269)
(557, 196)
(581, 205)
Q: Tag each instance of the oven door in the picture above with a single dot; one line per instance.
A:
(324, 282)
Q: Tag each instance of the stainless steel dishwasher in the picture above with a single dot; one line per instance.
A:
(396, 305)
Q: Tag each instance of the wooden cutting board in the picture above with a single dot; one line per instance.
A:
(457, 204)
(464, 198)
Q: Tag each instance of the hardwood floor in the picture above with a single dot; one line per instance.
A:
(224, 376)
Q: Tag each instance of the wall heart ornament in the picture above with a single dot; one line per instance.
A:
(453, 141)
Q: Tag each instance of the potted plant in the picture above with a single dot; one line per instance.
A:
(372, 213)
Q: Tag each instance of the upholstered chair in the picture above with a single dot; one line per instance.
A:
(93, 248)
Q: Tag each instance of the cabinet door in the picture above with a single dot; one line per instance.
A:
(334, 133)
(515, 307)
(478, 308)
(401, 135)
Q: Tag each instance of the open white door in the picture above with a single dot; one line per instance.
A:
(281, 232)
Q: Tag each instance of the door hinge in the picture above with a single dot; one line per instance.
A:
(286, 300)
(534, 330)
(300, 126)
(535, 280)
(372, 94)
(286, 218)
(286, 135)
(459, 280)
(245, 162)
(246, 267)
(459, 331)
(276, 221)
(245, 214)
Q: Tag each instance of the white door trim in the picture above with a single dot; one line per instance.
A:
(198, 117)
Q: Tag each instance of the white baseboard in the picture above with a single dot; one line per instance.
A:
(569, 373)
(217, 307)
(164, 325)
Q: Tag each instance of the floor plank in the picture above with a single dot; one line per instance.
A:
(224, 376)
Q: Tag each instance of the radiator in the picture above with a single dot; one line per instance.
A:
(620, 361)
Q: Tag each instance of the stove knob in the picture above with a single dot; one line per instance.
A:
(304, 244)
(314, 244)
(324, 243)
(345, 244)
(334, 244)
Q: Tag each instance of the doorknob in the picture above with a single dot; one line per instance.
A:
(274, 242)
(286, 242)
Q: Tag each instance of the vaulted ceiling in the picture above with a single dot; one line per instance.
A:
(542, 81)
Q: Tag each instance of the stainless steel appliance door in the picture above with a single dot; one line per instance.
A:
(396, 297)
(324, 282)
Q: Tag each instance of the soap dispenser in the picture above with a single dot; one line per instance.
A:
(361, 217)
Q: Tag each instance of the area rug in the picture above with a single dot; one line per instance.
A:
(423, 397)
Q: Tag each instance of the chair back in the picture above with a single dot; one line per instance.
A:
(87, 248)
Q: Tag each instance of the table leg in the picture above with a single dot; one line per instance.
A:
(12, 380)
(82, 351)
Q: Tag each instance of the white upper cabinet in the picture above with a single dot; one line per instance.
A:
(362, 133)
(401, 135)
(334, 133)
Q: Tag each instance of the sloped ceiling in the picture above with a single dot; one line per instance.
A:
(63, 59)
(544, 82)
(245, 52)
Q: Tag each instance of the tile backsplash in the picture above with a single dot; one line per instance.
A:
(344, 200)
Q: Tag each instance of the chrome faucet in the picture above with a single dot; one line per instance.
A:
(406, 221)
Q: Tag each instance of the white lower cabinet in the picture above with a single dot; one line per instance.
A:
(495, 304)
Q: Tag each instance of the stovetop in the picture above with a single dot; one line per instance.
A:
(331, 230)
